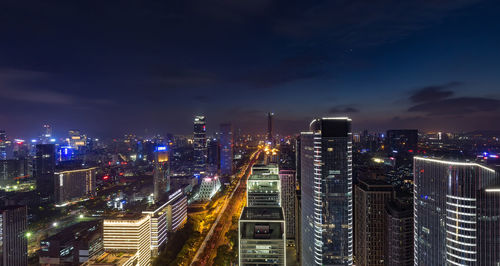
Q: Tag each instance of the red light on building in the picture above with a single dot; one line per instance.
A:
(106, 177)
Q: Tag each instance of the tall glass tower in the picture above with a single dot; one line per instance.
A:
(457, 210)
(200, 145)
(326, 183)
(226, 149)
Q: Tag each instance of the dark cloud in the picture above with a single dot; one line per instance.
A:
(343, 110)
(457, 106)
(434, 92)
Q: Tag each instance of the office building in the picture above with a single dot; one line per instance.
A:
(75, 184)
(263, 190)
(200, 145)
(326, 193)
(456, 210)
(213, 156)
(263, 169)
(3, 145)
(288, 188)
(286, 157)
(226, 149)
(43, 170)
(74, 245)
(399, 233)
(129, 233)
(13, 244)
(164, 217)
(161, 172)
(370, 227)
(210, 185)
(402, 145)
(261, 236)
(76, 140)
(46, 135)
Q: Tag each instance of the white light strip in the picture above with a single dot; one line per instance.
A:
(461, 221)
(460, 235)
(459, 257)
(461, 250)
(460, 198)
(492, 190)
(454, 263)
(453, 163)
(461, 213)
(460, 243)
(461, 205)
(461, 228)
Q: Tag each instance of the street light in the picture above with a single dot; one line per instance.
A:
(80, 216)
(55, 224)
(28, 234)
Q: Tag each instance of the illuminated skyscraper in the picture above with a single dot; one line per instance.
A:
(46, 134)
(161, 172)
(326, 193)
(200, 145)
(13, 239)
(75, 184)
(287, 179)
(226, 149)
(43, 171)
(457, 210)
(3, 145)
(370, 225)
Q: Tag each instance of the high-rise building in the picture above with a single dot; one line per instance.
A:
(164, 217)
(213, 156)
(399, 233)
(261, 236)
(226, 149)
(457, 205)
(270, 132)
(326, 193)
(75, 184)
(200, 145)
(13, 241)
(74, 245)
(287, 179)
(46, 134)
(210, 185)
(76, 140)
(43, 171)
(263, 190)
(402, 144)
(370, 227)
(3, 145)
(161, 172)
(130, 233)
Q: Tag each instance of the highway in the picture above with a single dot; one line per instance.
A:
(232, 205)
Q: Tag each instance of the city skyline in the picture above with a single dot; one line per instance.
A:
(112, 69)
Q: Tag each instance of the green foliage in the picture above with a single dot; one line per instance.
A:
(177, 246)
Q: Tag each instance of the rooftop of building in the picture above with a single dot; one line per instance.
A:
(264, 177)
(399, 209)
(112, 258)
(259, 213)
(76, 231)
(125, 217)
(375, 185)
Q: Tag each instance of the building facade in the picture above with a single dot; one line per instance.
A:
(263, 190)
(13, 241)
(399, 233)
(326, 193)
(129, 234)
(209, 187)
(75, 184)
(262, 237)
(226, 149)
(456, 213)
(43, 171)
(200, 145)
(370, 225)
(287, 180)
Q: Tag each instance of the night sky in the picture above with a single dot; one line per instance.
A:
(110, 67)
